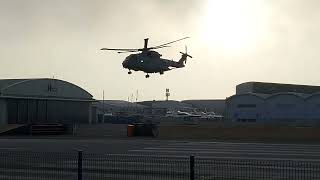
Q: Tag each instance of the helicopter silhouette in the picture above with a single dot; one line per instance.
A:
(150, 61)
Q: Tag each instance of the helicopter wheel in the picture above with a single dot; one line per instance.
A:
(147, 76)
(129, 72)
(161, 72)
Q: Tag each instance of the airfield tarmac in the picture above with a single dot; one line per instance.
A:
(219, 149)
(157, 159)
(109, 154)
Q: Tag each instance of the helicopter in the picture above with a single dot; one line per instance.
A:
(150, 61)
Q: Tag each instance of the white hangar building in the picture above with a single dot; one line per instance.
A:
(25, 101)
(274, 103)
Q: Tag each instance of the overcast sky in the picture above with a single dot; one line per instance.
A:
(232, 41)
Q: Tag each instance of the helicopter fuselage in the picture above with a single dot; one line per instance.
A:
(150, 62)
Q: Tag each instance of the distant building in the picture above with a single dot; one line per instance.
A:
(115, 106)
(274, 103)
(217, 106)
(117, 111)
(24, 101)
(169, 105)
(208, 105)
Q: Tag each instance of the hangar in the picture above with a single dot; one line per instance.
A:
(274, 103)
(284, 107)
(26, 101)
(312, 107)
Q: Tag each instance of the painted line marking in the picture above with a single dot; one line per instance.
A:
(210, 152)
(230, 150)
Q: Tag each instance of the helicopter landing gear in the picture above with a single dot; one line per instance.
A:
(129, 72)
(147, 76)
(161, 72)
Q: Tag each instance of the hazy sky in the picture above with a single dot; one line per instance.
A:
(232, 41)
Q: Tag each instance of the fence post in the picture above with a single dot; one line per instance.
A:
(191, 167)
(79, 165)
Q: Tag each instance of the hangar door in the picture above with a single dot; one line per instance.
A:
(22, 111)
(26, 111)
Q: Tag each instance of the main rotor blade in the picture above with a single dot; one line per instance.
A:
(111, 49)
(126, 51)
(160, 46)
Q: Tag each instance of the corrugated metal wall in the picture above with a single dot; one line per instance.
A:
(3, 112)
(47, 111)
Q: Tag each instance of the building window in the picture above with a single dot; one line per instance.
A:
(247, 105)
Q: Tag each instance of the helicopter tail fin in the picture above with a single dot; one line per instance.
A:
(183, 59)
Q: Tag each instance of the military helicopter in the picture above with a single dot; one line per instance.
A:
(150, 61)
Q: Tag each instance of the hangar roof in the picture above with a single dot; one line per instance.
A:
(8, 82)
(272, 88)
(43, 88)
(267, 96)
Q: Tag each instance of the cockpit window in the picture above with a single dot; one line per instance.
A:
(132, 56)
(153, 54)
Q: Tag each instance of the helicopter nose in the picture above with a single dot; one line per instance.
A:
(125, 64)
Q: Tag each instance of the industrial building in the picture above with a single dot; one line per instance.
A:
(116, 106)
(209, 105)
(26, 101)
(274, 103)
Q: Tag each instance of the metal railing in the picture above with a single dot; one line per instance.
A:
(16, 165)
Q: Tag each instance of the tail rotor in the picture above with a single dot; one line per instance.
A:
(185, 55)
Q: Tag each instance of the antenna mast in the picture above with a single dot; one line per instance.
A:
(167, 94)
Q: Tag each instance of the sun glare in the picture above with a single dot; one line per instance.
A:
(233, 25)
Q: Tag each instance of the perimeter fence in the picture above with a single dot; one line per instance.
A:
(25, 165)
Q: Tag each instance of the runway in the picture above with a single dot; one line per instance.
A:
(231, 150)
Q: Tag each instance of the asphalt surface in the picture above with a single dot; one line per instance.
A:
(151, 146)
(156, 159)
(105, 146)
